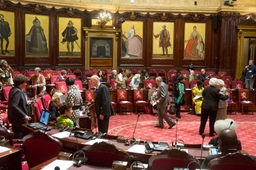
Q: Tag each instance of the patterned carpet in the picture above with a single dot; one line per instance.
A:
(187, 129)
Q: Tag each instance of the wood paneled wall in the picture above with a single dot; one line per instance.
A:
(220, 46)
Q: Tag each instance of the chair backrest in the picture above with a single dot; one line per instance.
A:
(48, 73)
(113, 83)
(6, 91)
(104, 150)
(234, 161)
(128, 83)
(161, 73)
(197, 73)
(78, 73)
(78, 83)
(137, 95)
(222, 73)
(230, 94)
(15, 72)
(228, 78)
(184, 73)
(152, 73)
(193, 83)
(53, 78)
(121, 95)
(62, 86)
(243, 94)
(38, 107)
(46, 99)
(211, 73)
(206, 83)
(171, 74)
(173, 158)
(89, 95)
(149, 83)
(29, 73)
(87, 73)
(237, 84)
(39, 147)
(71, 75)
(186, 84)
(227, 84)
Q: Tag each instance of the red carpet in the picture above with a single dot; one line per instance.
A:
(188, 125)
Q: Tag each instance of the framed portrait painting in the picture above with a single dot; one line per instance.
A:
(7, 32)
(163, 33)
(194, 41)
(37, 35)
(69, 36)
(132, 39)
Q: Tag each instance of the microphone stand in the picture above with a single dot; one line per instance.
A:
(201, 157)
(133, 140)
(176, 136)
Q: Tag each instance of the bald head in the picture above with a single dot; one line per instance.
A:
(228, 139)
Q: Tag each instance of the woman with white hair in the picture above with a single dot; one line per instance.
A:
(211, 96)
(219, 126)
(223, 104)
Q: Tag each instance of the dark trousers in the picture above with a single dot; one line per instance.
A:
(103, 125)
(177, 105)
(204, 116)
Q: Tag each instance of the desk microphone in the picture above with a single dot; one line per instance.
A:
(57, 168)
(133, 140)
(201, 157)
(230, 124)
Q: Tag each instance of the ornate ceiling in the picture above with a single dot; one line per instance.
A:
(152, 6)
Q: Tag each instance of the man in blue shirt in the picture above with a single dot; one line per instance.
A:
(250, 74)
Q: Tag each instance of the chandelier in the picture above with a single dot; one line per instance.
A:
(104, 18)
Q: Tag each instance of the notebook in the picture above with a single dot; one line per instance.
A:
(63, 98)
(43, 121)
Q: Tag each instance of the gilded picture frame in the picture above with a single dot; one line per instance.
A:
(36, 35)
(132, 40)
(163, 40)
(194, 41)
(7, 21)
(70, 36)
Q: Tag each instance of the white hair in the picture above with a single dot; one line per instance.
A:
(221, 82)
(224, 124)
(95, 77)
(213, 81)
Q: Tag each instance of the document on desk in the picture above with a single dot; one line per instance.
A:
(4, 149)
(62, 164)
(61, 135)
(91, 142)
(137, 149)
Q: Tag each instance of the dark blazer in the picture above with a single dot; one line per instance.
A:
(53, 109)
(17, 106)
(211, 97)
(103, 102)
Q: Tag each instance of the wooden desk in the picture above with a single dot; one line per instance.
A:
(11, 159)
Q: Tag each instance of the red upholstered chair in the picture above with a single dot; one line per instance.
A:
(47, 73)
(227, 84)
(62, 86)
(29, 73)
(38, 108)
(211, 73)
(113, 84)
(87, 74)
(206, 83)
(71, 75)
(138, 99)
(231, 103)
(104, 150)
(122, 100)
(234, 161)
(227, 78)
(57, 72)
(171, 74)
(39, 147)
(6, 91)
(222, 73)
(89, 95)
(78, 83)
(152, 73)
(173, 158)
(184, 73)
(90, 86)
(237, 84)
(243, 96)
(197, 73)
(78, 73)
(149, 84)
(15, 72)
(162, 74)
(46, 99)
(186, 84)
(128, 83)
(193, 83)
(53, 78)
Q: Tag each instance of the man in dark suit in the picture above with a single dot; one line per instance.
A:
(163, 100)
(211, 96)
(102, 104)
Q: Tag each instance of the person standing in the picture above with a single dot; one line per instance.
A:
(74, 99)
(179, 99)
(162, 101)
(211, 96)
(102, 104)
(164, 40)
(5, 74)
(5, 33)
(223, 104)
(250, 74)
(17, 105)
(70, 36)
(38, 81)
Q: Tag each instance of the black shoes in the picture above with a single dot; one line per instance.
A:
(158, 126)
(172, 125)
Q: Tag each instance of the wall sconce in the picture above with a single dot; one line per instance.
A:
(104, 18)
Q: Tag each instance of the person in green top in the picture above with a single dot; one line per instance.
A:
(178, 100)
(65, 116)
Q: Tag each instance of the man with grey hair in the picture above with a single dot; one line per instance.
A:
(211, 96)
(103, 107)
(223, 104)
(163, 100)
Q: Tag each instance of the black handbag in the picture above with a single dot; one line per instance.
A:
(172, 109)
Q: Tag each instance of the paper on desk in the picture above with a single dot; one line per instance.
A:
(137, 149)
(91, 142)
(4, 149)
(62, 164)
(61, 134)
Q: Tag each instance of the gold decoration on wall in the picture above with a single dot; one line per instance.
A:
(133, 16)
(164, 17)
